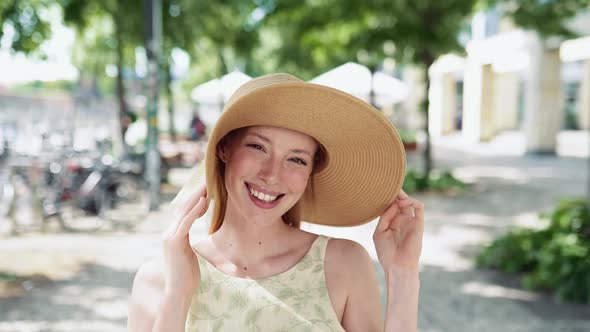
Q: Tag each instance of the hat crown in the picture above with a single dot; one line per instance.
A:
(365, 160)
(261, 82)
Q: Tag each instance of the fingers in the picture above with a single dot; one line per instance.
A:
(192, 200)
(185, 208)
(197, 211)
(409, 204)
(402, 194)
(386, 218)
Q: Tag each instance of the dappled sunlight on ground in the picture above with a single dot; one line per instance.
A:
(492, 290)
(93, 299)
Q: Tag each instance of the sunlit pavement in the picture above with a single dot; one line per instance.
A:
(88, 291)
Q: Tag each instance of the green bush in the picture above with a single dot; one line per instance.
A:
(437, 181)
(556, 258)
(407, 136)
(7, 277)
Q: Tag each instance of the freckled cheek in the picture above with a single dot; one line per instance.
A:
(297, 180)
(244, 163)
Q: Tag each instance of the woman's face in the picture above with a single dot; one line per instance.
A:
(267, 170)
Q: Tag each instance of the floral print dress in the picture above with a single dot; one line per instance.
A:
(294, 300)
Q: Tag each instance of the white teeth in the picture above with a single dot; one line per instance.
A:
(261, 196)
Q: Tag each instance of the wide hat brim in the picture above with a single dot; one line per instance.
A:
(365, 164)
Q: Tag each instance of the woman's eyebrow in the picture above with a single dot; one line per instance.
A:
(262, 137)
(267, 140)
(301, 152)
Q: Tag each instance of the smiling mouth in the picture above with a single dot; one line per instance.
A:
(262, 196)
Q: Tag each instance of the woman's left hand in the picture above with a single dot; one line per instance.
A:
(398, 236)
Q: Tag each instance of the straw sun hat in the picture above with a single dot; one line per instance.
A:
(365, 164)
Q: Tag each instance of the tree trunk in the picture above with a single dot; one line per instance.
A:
(124, 119)
(373, 70)
(427, 61)
(223, 69)
(170, 99)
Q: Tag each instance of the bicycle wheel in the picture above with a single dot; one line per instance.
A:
(125, 201)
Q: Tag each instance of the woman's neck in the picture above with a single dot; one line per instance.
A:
(249, 242)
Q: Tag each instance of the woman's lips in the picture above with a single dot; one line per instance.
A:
(262, 190)
(263, 204)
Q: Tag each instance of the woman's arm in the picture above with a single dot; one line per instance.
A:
(402, 301)
(398, 241)
(162, 290)
(151, 307)
(172, 312)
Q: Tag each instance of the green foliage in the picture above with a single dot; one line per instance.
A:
(407, 136)
(547, 17)
(320, 35)
(7, 277)
(54, 86)
(554, 258)
(27, 21)
(437, 181)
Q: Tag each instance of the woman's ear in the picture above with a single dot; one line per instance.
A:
(222, 153)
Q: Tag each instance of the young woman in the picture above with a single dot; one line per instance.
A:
(286, 151)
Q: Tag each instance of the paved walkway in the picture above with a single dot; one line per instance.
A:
(89, 289)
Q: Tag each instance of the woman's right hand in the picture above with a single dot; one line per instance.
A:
(181, 267)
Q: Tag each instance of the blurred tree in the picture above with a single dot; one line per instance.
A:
(111, 30)
(93, 51)
(230, 26)
(221, 29)
(317, 35)
(24, 22)
(120, 27)
(549, 18)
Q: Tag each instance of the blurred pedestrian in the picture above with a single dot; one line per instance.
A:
(197, 127)
(284, 151)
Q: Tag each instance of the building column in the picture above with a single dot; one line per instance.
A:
(478, 102)
(584, 98)
(441, 116)
(543, 115)
(414, 77)
(506, 88)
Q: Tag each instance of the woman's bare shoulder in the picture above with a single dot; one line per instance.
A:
(343, 253)
(347, 263)
(352, 285)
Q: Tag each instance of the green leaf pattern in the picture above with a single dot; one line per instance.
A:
(295, 300)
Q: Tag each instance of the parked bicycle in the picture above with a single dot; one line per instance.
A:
(82, 192)
(94, 190)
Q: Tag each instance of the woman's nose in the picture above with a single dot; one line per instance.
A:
(269, 172)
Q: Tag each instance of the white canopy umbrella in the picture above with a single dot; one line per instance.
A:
(388, 89)
(231, 82)
(212, 95)
(207, 93)
(356, 79)
(350, 77)
(219, 89)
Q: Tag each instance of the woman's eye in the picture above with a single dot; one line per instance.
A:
(256, 146)
(299, 161)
